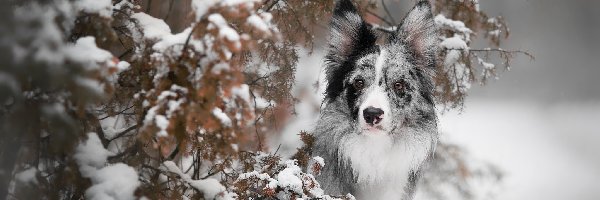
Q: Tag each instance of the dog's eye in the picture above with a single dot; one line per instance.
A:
(359, 84)
(399, 86)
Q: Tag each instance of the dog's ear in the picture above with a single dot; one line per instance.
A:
(349, 32)
(419, 32)
(349, 35)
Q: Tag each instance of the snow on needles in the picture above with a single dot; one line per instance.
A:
(102, 7)
(153, 28)
(258, 22)
(456, 46)
(91, 155)
(86, 52)
(219, 114)
(288, 177)
(211, 188)
(225, 30)
(201, 7)
(117, 181)
(178, 39)
(457, 26)
(455, 43)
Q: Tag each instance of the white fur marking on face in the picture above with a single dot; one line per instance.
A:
(379, 67)
(376, 97)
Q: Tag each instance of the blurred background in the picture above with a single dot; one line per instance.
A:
(537, 122)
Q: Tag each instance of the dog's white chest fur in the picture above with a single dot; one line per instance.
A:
(380, 164)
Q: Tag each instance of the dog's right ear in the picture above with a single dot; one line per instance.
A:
(349, 35)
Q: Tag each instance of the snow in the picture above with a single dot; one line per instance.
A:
(288, 177)
(90, 85)
(254, 174)
(91, 155)
(118, 182)
(200, 7)
(456, 47)
(457, 26)
(166, 98)
(150, 115)
(454, 42)
(122, 66)
(211, 188)
(162, 123)
(174, 106)
(236, 2)
(262, 102)
(112, 125)
(86, 52)
(307, 109)
(219, 67)
(219, 114)
(257, 22)
(494, 33)
(486, 65)
(242, 92)
(102, 7)
(320, 161)
(46, 37)
(476, 4)
(225, 30)
(27, 176)
(122, 4)
(178, 39)
(153, 28)
(267, 17)
(460, 72)
(540, 146)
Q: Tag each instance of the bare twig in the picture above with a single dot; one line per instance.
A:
(499, 50)
(271, 6)
(123, 132)
(118, 113)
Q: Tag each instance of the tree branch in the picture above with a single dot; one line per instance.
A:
(123, 133)
(499, 50)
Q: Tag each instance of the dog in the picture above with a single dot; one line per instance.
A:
(378, 126)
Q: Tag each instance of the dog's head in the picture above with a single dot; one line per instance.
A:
(386, 85)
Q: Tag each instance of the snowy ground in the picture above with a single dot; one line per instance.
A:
(548, 151)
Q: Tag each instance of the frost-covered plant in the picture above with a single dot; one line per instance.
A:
(461, 21)
(108, 99)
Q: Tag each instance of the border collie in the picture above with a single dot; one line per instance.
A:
(378, 126)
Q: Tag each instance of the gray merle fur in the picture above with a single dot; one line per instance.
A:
(409, 56)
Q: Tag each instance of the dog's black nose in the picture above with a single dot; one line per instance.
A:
(372, 115)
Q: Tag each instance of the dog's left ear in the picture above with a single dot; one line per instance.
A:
(419, 32)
